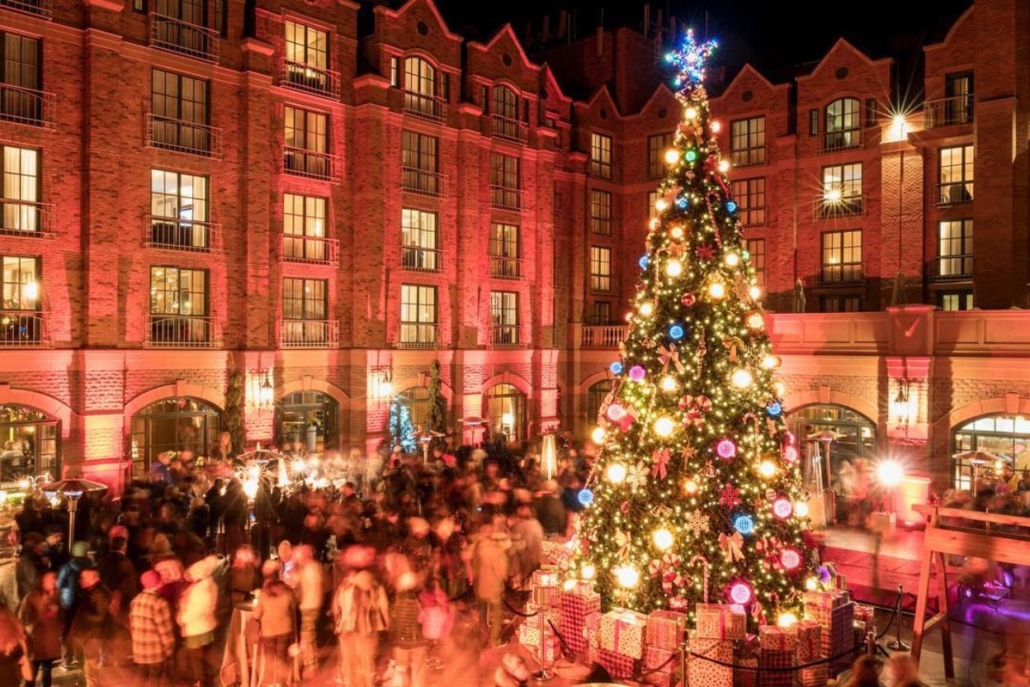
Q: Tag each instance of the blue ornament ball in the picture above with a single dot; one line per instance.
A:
(644, 262)
(691, 155)
(682, 202)
(616, 368)
(774, 409)
(586, 497)
(676, 332)
(744, 524)
(731, 206)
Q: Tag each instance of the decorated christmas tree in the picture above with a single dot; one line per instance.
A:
(402, 432)
(696, 495)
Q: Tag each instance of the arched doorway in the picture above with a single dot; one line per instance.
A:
(1005, 436)
(417, 400)
(596, 394)
(29, 445)
(506, 412)
(310, 418)
(172, 424)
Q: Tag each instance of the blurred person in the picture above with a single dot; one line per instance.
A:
(244, 575)
(69, 590)
(489, 557)
(451, 569)
(14, 654)
(88, 629)
(197, 620)
(416, 546)
(527, 530)
(160, 471)
(513, 672)
(865, 672)
(310, 576)
(409, 646)
(550, 511)
(152, 629)
(40, 614)
(274, 612)
(361, 611)
(31, 564)
(119, 575)
(903, 671)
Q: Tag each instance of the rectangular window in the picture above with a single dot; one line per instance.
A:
(306, 57)
(955, 175)
(955, 300)
(834, 304)
(418, 315)
(601, 269)
(652, 200)
(395, 72)
(307, 143)
(505, 182)
(842, 190)
(180, 111)
(419, 164)
(601, 212)
(841, 257)
(22, 211)
(656, 147)
(955, 249)
(747, 142)
(504, 318)
(756, 248)
(222, 17)
(750, 197)
(842, 124)
(139, 5)
(504, 251)
(958, 104)
(813, 122)
(601, 156)
(419, 241)
(306, 312)
(20, 322)
(21, 79)
(304, 229)
(176, 291)
(179, 211)
(601, 313)
(871, 117)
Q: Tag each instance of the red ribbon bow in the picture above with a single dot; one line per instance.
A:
(661, 463)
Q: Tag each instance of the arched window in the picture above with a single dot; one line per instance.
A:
(28, 445)
(595, 397)
(505, 103)
(506, 411)
(420, 87)
(842, 124)
(310, 419)
(847, 436)
(1005, 437)
(174, 424)
(417, 399)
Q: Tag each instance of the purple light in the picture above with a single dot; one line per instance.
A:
(637, 373)
(782, 508)
(740, 593)
(726, 449)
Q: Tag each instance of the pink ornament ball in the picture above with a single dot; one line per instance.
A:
(637, 373)
(740, 593)
(726, 449)
(790, 559)
(790, 454)
(782, 508)
(616, 412)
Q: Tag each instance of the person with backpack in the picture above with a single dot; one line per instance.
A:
(69, 592)
(361, 611)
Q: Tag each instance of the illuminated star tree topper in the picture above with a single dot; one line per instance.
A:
(689, 60)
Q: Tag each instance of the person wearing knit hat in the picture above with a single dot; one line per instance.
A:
(151, 629)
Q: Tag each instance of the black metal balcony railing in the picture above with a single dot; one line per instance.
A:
(26, 218)
(509, 129)
(305, 77)
(27, 106)
(748, 157)
(183, 136)
(422, 182)
(43, 8)
(847, 274)
(602, 169)
(833, 207)
(183, 37)
(841, 140)
(506, 336)
(179, 331)
(309, 163)
(310, 249)
(309, 334)
(418, 335)
(418, 259)
(22, 328)
(502, 267)
(951, 268)
(604, 283)
(505, 198)
(424, 105)
(951, 111)
(172, 233)
(955, 193)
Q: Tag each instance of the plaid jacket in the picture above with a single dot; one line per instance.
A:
(152, 628)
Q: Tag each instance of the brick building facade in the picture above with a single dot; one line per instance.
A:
(328, 197)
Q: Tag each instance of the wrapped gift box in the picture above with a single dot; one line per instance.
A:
(720, 621)
(705, 673)
(665, 629)
(622, 631)
(660, 659)
(580, 587)
(867, 616)
(774, 638)
(816, 676)
(778, 667)
(555, 552)
(809, 645)
(745, 672)
(825, 599)
(838, 635)
(545, 576)
(529, 635)
(541, 614)
(619, 666)
(549, 653)
(545, 595)
(573, 610)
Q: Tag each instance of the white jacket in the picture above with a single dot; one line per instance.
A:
(198, 601)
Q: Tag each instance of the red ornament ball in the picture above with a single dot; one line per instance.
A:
(688, 299)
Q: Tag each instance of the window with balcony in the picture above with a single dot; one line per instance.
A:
(420, 164)
(43, 8)
(306, 60)
(756, 248)
(420, 241)
(505, 182)
(842, 119)
(601, 156)
(747, 142)
(21, 91)
(178, 307)
(842, 190)
(749, 195)
(955, 175)
(841, 257)
(954, 250)
(23, 214)
(601, 269)
(504, 318)
(305, 229)
(178, 211)
(179, 26)
(954, 301)
(656, 147)
(21, 320)
(306, 314)
(418, 316)
(420, 89)
(504, 251)
(601, 212)
(958, 91)
(307, 144)
(179, 113)
(601, 313)
(505, 120)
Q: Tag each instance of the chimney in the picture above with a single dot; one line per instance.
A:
(563, 23)
(647, 19)
(545, 30)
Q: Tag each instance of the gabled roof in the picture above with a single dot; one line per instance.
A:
(843, 45)
(504, 31)
(602, 93)
(400, 12)
(552, 83)
(662, 92)
(746, 71)
(966, 16)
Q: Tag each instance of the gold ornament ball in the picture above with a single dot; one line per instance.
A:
(669, 384)
(676, 232)
(755, 320)
(767, 469)
(663, 539)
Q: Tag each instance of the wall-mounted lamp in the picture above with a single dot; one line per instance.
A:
(260, 391)
(901, 406)
(381, 383)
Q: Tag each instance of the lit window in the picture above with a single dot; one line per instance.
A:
(747, 142)
(601, 156)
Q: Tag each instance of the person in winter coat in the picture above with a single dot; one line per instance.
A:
(550, 510)
(196, 618)
(527, 530)
(274, 611)
(361, 611)
(40, 614)
(244, 576)
(30, 563)
(489, 573)
(14, 660)
(119, 575)
(152, 627)
(68, 589)
(409, 646)
(310, 577)
(89, 627)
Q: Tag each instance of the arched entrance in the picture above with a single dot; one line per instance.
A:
(596, 393)
(1005, 436)
(506, 412)
(417, 400)
(310, 418)
(29, 445)
(172, 424)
